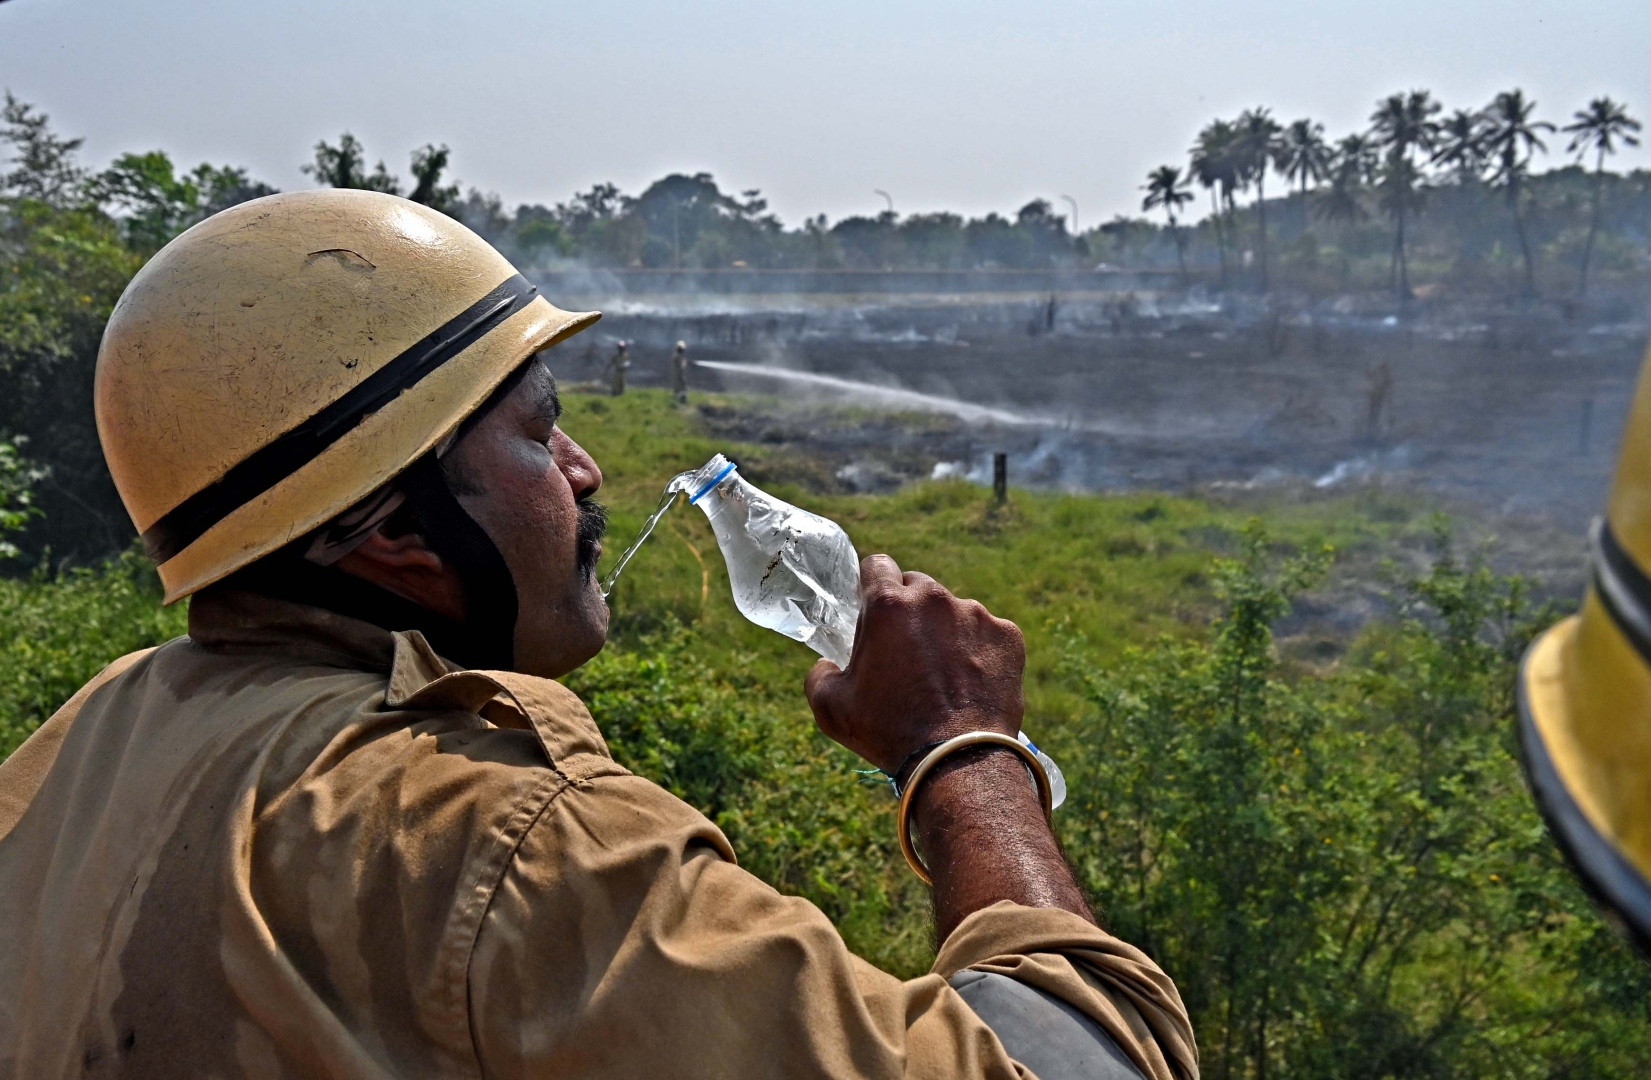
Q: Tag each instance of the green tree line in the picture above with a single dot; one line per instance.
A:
(1418, 197)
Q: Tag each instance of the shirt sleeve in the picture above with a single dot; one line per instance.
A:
(623, 941)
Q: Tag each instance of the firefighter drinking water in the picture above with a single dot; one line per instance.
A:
(352, 827)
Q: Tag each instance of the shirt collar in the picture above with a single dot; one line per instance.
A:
(418, 678)
(224, 618)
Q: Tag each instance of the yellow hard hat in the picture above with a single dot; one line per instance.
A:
(282, 359)
(1585, 698)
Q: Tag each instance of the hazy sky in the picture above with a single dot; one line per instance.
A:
(958, 105)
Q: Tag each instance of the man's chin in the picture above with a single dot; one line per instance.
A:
(592, 632)
(571, 646)
(601, 615)
(590, 643)
(557, 638)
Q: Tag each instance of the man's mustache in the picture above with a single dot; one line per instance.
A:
(593, 525)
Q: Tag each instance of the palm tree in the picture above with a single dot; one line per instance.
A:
(1401, 125)
(1166, 188)
(1461, 146)
(1212, 164)
(1400, 194)
(1512, 138)
(1304, 158)
(1259, 141)
(1598, 128)
(1352, 169)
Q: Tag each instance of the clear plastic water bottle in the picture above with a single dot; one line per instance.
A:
(791, 570)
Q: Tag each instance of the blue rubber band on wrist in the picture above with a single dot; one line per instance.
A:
(696, 496)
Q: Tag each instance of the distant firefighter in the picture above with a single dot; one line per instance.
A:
(1378, 400)
(618, 365)
(679, 372)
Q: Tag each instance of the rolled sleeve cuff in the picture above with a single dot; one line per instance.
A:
(1111, 981)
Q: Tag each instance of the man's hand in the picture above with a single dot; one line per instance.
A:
(926, 666)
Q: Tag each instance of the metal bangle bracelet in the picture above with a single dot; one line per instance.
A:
(951, 746)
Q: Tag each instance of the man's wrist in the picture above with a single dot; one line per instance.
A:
(902, 772)
(972, 787)
(959, 724)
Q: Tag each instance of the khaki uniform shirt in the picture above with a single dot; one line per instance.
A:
(293, 844)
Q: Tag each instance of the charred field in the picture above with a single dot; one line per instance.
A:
(1505, 417)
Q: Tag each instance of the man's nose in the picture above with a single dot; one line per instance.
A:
(582, 473)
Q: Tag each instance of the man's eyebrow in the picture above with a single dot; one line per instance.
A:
(549, 406)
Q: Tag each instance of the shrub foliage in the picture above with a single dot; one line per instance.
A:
(1343, 871)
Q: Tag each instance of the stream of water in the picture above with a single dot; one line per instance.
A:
(894, 397)
(677, 485)
(891, 396)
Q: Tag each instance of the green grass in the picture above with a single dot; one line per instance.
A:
(1115, 569)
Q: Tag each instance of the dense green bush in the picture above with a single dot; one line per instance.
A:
(1343, 871)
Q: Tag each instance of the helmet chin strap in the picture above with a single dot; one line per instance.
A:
(487, 636)
(489, 589)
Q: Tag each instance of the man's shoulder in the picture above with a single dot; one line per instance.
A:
(22, 773)
(405, 754)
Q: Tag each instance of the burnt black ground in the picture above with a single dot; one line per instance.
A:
(1518, 414)
(1507, 416)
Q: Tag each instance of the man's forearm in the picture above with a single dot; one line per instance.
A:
(982, 832)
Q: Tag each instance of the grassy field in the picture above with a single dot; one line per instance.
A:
(1114, 569)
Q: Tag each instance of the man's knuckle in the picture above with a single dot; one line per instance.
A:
(933, 594)
(882, 598)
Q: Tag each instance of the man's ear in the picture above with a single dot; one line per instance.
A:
(407, 566)
(407, 550)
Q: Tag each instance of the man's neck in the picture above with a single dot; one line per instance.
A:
(286, 575)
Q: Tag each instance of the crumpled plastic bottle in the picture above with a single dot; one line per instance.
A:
(792, 571)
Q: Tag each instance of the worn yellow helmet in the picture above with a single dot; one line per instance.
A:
(284, 358)
(1585, 698)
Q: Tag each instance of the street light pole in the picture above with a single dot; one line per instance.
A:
(886, 195)
(676, 231)
(1074, 204)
